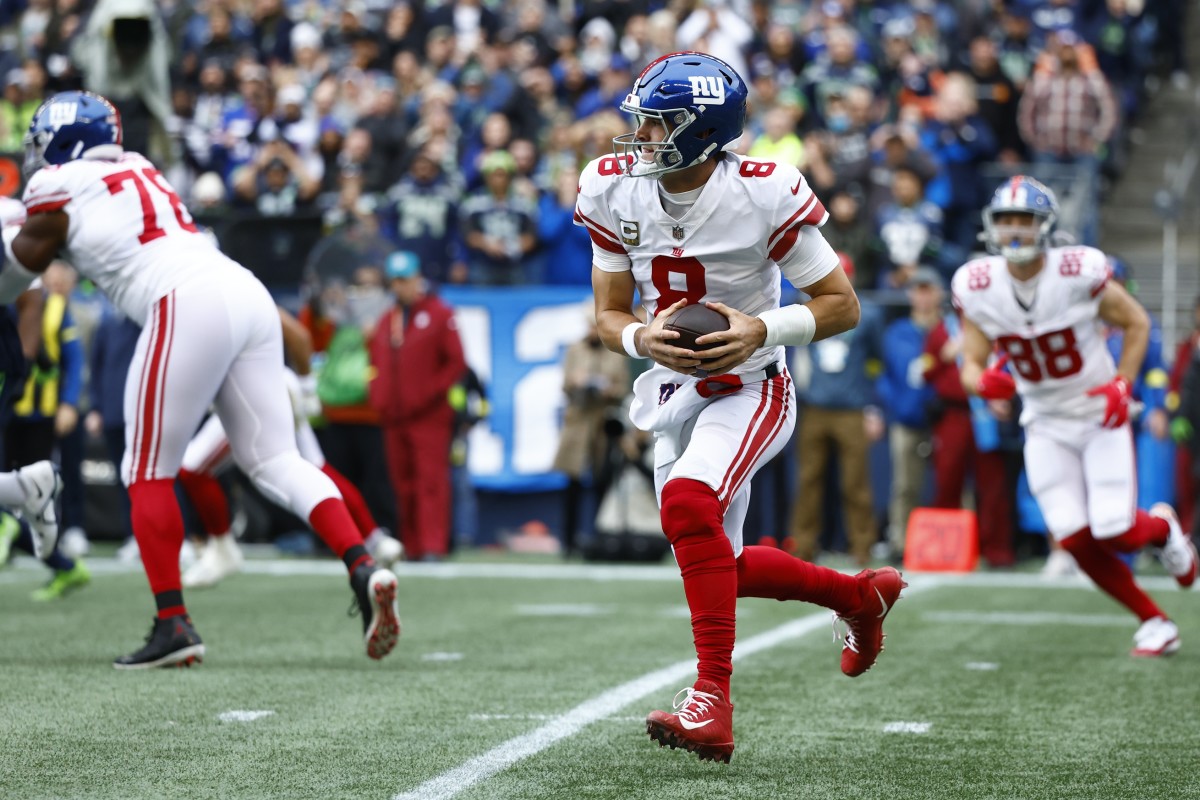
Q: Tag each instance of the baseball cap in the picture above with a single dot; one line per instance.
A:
(926, 276)
(402, 264)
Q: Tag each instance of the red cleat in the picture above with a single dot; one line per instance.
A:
(702, 723)
(864, 630)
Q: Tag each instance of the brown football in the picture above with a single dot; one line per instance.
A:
(693, 321)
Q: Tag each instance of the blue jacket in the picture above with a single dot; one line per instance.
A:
(901, 387)
(844, 366)
(112, 352)
(566, 246)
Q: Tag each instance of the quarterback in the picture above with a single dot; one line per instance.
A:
(210, 334)
(680, 220)
(1042, 307)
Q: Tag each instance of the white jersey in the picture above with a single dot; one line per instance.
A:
(1056, 343)
(752, 220)
(129, 231)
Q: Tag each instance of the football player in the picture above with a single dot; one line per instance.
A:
(210, 334)
(679, 219)
(208, 454)
(1042, 307)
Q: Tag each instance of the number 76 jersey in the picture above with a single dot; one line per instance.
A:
(1056, 343)
(129, 231)
(751, 220)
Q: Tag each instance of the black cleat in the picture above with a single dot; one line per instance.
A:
(375, 595)
(172, 642)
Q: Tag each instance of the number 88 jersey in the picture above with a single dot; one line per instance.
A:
(129, 231)
(751, 220)
(1053, 334)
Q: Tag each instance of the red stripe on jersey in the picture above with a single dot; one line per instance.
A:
(591, 223)
(1099, 287)
(45, 207)
(598, 236)
(804, 209)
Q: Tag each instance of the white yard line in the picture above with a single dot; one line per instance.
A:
(602, 706)
(1030, 618)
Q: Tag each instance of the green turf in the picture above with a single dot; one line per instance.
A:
(1067, 714)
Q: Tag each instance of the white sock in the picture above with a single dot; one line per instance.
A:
(11, 493)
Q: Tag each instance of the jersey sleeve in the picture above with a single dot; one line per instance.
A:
(795, 243)
(593, 214)
(1094, 272)
(46, 191)
(969, 281)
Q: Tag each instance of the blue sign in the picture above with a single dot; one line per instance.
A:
(514, 339)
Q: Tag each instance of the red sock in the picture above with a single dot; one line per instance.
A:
(208, 499)
(333, 524)
(353, 498)
(769, 572)
(158, 528)
(691, 518)
(1110, 574)
(1146, 530)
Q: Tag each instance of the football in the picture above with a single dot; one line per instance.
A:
(693, 321)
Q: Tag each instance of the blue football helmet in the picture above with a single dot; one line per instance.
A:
(1020, 194)
(700, 102)
(72, 125)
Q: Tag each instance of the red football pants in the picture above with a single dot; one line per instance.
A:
(418, 456)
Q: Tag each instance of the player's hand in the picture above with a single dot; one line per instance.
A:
(745, 335)
(1118, 394)
(995, 383)
(656, 341)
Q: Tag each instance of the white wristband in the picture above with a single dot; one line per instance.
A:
(791, 325)
(629, 340)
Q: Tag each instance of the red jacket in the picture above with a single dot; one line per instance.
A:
(942, 376)
(417, 356)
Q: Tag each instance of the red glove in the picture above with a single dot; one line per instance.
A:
(995, 383)
(1119, 394)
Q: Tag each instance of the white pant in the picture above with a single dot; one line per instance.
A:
(217, 340)
(1082, 475)
(208, 452)
(728, 441)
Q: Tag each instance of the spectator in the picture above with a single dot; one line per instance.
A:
(387, 127)
(276, 184)
(909, 230)
(16, 111)
(840, 158)
(905, 398)
(959, 140)
(848, 233)
(893, 147)
(1067, 115)
(567, 248)
(272, 32)
(714, 27)
(420, 215)
(1189, 410)
(838, 417)
(998, 98)
(778, 141)
(417, 336)
(499, 227)
(1182, 429)
(595, 381)
(835, 73)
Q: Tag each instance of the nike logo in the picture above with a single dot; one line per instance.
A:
(883, 613)
(691, 726)
(796, 188)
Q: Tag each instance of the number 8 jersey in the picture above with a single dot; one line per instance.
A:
(751, 220)
(129, 231)
(1050, 328)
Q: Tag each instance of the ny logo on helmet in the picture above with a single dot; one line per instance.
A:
(62, 114)
(708, 88)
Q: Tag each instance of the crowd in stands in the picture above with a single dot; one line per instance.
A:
(456, 132)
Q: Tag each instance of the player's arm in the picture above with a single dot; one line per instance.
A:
(30, 305)
(976, 347)
(297, 343)
(1120, 310)
(622, 332)
(28, 251)
(833, 309)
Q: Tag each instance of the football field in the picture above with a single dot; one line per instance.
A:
(532, 681)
